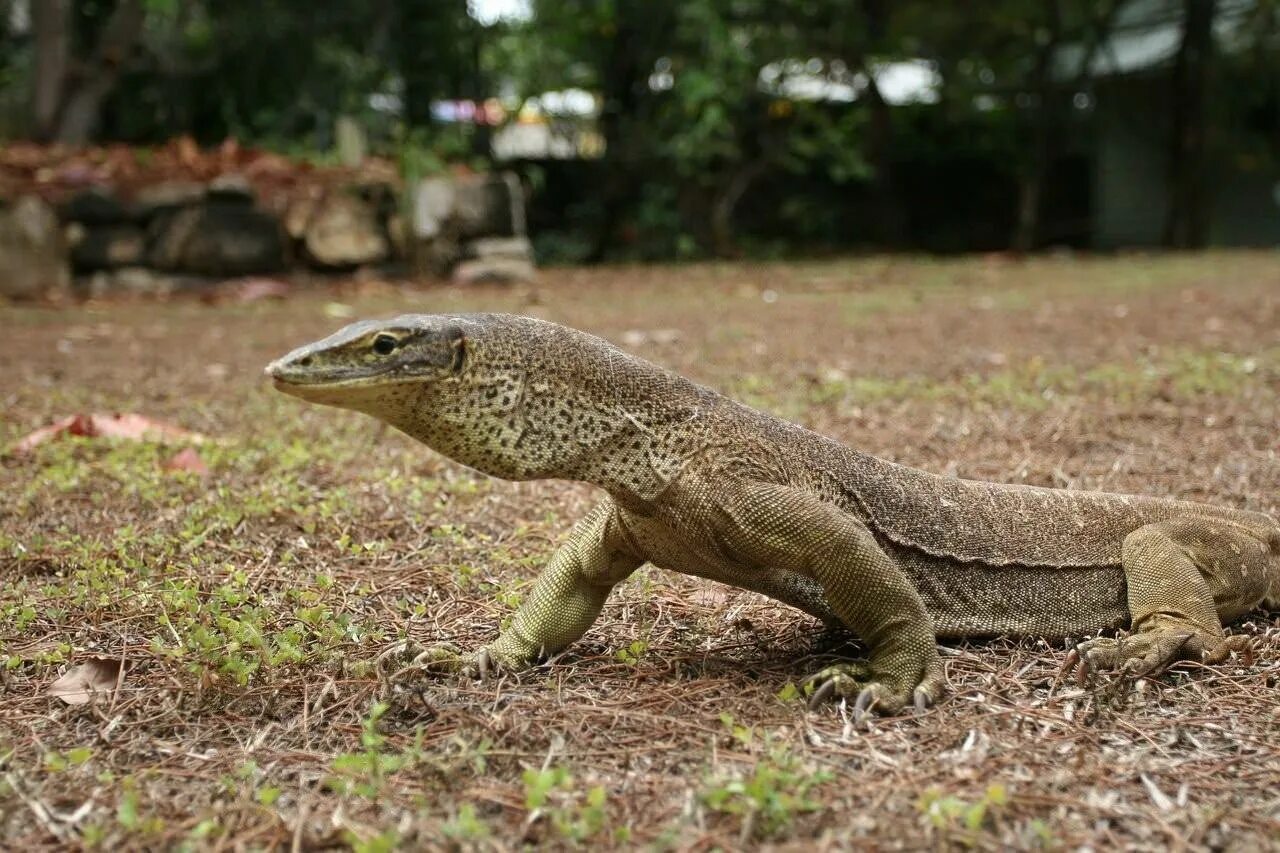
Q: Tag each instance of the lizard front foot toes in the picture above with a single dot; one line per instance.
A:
(856, 681)
(406, 656)
(493, 660)
(406, 662)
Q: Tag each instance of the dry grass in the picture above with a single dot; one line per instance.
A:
(250, 607)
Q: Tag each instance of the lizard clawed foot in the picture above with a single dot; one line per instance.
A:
(409, 656)
(856, 681)
(490, 662)
(1151, 652)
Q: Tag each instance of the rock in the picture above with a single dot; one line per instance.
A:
(230, 188)
(496, 270)
(217, 238)
(432, 207)
(133, 281)
(99, 247)
(33, 256)
(159, 198)
(450, 211)
(344, 232)
(436, 257)
(398, 234)
(489, 205)
(298, 213)
(97, 206)
(468, 206)
(517, 248)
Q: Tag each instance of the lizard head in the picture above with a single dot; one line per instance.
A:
(367, 365)
(462, 385)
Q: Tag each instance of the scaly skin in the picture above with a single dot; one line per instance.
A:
(700, 484)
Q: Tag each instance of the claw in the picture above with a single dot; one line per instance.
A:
(922, 700)
(484, 662)
(866, 700)
(822, 694)
(1071, 661)
(1238, 644)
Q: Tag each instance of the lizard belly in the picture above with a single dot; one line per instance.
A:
(670, 549)
(977, 600)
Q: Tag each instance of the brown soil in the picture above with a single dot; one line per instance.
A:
(251, 605)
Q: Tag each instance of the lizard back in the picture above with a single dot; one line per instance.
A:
(1000, 524)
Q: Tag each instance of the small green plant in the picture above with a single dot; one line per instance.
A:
(365, 773)
(383, 842)
(466, 825)
(631, 654)
(769, 798)
(789, 693)
(129, 814)
(550, 793)
(58, 761)
(959, 821)
(742, 734)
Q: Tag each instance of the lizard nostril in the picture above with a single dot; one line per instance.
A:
(304, 362)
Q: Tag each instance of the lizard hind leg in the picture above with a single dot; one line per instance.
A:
(1185, 577)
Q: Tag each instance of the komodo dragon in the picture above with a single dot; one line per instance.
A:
(700, 484)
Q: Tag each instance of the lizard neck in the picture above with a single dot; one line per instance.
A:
(626, 425)
(638, 459)
(632, 442)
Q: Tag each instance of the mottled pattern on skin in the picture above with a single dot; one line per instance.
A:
(700, 484)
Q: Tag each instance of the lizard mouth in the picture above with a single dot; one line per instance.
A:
(302, 380)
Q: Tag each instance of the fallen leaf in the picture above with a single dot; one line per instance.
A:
(253, 289)
(96, 675)
(124, 425)
(40, 436)
(187, 459)
(246, 290)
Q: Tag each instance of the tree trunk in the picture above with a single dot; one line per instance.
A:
(641, 31)
(1187, 224)
(1045, 122)
(1030, 189)
(890, 221)
(82, 106)
(620, 76)
(51, 21)
(726, 202)
(433, 53)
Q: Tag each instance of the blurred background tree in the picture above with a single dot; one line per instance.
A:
(717, 127)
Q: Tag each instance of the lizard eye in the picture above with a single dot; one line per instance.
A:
(385, 344)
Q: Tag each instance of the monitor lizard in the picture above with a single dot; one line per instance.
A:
(698, 483)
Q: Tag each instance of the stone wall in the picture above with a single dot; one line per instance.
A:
(134, 235)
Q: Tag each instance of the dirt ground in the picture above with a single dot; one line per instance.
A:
(252, 606)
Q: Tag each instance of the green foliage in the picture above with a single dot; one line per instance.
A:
(1030, 385)
(466, 825)
(364, 773)
(958, 821)
(575, 817)
(631, 654)
(769, 798)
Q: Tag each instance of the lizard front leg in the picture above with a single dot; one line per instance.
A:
(789, 528)
(568, 595)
